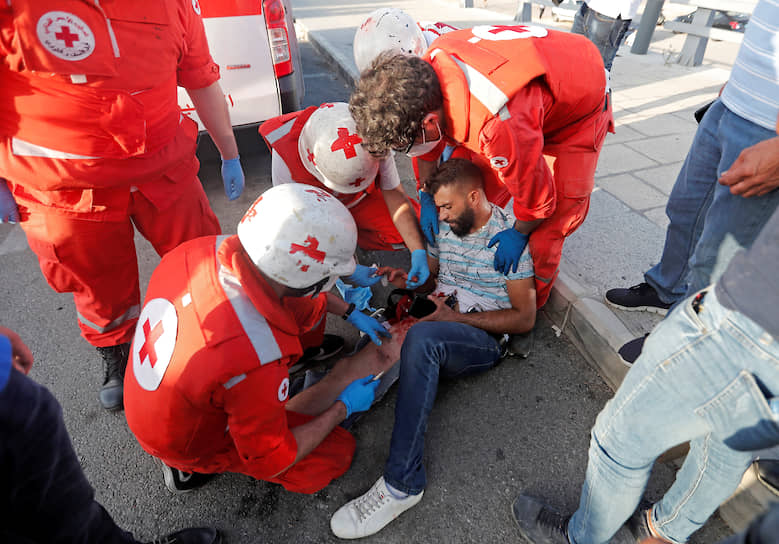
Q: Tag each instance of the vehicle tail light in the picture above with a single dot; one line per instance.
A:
(278, 36)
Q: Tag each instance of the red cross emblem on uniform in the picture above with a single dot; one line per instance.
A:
(309, 248)
(66, 36)
(500, 28)
(150, 337)
(346, 142)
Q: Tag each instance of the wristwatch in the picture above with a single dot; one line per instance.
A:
(349, 311)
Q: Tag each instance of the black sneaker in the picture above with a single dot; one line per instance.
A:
(199, 535)
(768, 473)
(539, 523)
(332, 344)
(631, 350)
(114, 364)
(178, 481)
(641, 297)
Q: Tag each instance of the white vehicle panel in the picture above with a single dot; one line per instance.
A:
(251, 91)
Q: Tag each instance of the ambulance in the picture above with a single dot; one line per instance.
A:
(255, 45)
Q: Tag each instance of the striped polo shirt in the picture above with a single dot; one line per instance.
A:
(466, 265)
(752, 91)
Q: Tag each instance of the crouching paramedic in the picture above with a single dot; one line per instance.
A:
(509, 95)
(207, 384)
(320, 147)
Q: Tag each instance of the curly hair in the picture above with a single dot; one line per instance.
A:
(391, 99)
(453, 172)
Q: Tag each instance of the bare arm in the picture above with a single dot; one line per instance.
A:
(211, 107)
(310, 435)
(518, 319)
(404, 217)
(21, 356)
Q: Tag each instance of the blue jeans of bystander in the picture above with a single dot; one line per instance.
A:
(708, 223)
(605, 32)
(431, 349)
(705, 376)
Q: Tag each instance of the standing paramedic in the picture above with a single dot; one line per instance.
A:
(516, 99)
(207, 388)
(92, 142)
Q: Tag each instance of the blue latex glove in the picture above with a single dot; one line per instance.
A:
(363, 276)
(428, 217)
(360, 296)
(418, 270)
(511, 245)
(232, 177)
(358, 395)
(369, 325)
(9, 213)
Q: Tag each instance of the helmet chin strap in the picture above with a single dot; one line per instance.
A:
(325, 284)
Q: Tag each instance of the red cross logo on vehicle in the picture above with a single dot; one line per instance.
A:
(310, 249)
(346, 142)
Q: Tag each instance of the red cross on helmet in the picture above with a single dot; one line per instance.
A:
(332, 151)
(299, 235)
(387, 29)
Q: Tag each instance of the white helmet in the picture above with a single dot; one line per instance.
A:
(299, 235)
(387, 29)
(332, 151)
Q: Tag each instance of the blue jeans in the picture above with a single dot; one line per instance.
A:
(708, 223)
(706, 377)
(605, 32)
(431, 349)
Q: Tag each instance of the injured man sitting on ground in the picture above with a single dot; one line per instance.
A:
(473, 308)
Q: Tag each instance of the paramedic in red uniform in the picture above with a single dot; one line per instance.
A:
(509, 96)
(320, 147)
(92, 142)
(207, 385)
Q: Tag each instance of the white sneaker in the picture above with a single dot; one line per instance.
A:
(368, 514)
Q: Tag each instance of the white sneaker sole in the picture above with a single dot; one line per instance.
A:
(650, 309)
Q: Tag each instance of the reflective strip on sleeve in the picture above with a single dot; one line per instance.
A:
(132, 313)
(235, 380)
(275, 135)
(484, 90)
(254, 324)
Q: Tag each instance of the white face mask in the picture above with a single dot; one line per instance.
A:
(425, 147)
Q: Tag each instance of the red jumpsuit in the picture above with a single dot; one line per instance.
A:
(375, 228)
(208, 381)
(513, 94)
(92, 142)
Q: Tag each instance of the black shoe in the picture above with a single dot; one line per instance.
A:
(638, 524)
(631, 350)
(332, 344)
(178, 481)
(114, 364)
(539, 523)
(639, 297)
(768, 473)
(199, 535)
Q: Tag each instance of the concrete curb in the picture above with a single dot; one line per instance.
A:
(573, 308)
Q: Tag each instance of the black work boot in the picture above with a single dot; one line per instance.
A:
(768, 473)
(114, 363)
(195, 535)
(538, 522)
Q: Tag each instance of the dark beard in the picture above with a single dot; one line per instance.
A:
(463, 225)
